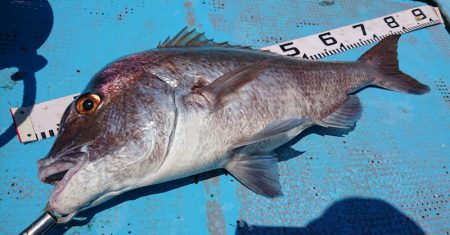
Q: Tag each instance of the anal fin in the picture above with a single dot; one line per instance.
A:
(345, 116)
(258, 172)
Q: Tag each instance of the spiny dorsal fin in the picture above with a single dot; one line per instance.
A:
(186, 38)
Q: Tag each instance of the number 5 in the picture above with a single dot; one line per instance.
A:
(284, 48)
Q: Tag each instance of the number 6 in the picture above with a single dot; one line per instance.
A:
(329, 40)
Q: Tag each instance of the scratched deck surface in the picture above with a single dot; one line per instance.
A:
(388, 175)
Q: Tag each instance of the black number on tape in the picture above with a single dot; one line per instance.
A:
(363, 29)
(285, 48)
(328, 41)
(419, 13)
(390, 21)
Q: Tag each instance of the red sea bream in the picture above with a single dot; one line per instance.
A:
(193, 105)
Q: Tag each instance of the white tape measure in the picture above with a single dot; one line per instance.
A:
(42, 120)
(348, 37)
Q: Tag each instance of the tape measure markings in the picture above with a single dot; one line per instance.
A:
(41, 121)
(341, 39)
(364, 42)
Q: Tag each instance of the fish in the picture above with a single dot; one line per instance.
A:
(193, 105)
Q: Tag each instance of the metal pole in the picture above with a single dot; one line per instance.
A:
(40, 226)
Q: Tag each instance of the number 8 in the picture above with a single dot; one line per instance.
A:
(390, 21)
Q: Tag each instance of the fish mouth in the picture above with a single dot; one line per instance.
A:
(58, 169)
(53, 170)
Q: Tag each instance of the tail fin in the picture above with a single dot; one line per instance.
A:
(383, 59)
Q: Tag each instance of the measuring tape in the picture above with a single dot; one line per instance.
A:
(338, 40)
(41, 121)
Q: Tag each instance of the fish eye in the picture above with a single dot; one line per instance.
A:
(87, 103)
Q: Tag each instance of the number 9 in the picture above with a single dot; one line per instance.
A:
(419, 13)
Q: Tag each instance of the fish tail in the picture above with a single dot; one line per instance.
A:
(383, 59)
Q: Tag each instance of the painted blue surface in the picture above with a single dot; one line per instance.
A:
(388, 175)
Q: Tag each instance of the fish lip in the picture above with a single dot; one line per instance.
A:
(77, 159)
(55, 172)
(63, 181)
(52, 170)
(61, 184)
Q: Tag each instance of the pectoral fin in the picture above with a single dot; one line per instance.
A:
(275, 134)
(258, 172)
(224, 89)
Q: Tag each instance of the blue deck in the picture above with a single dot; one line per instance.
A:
(388, 175)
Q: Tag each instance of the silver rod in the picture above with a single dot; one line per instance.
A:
(40, 226)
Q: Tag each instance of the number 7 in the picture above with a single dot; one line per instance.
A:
(362, 28)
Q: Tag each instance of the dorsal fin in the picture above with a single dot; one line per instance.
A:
(186, 38)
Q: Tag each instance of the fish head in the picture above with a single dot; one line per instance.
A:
(111, 137)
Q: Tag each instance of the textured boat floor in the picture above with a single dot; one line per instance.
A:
(389, 175)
